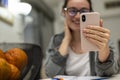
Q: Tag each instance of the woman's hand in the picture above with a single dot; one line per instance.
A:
(100, 37)
(66, 40)
(68, 35)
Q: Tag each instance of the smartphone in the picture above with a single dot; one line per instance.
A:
(91, 18)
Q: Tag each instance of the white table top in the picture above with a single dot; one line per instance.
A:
(114, 77)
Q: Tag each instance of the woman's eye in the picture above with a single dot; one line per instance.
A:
(83, 11)
(73, 11)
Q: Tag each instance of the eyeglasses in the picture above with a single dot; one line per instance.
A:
(73, 11)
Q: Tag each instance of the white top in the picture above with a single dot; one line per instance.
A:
(78, 64)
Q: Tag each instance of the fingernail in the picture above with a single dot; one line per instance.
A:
(84, 30)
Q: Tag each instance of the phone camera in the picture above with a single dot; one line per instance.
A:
(83, 18)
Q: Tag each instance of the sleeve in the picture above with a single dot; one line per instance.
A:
(55, 63)
(110, 67)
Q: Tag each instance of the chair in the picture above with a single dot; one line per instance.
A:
(35, 56)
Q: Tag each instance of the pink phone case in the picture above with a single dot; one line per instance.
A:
(92, 18)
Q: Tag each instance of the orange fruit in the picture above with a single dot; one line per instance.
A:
(5, 69)
(15, 73)
(2, 55)
(17, 57)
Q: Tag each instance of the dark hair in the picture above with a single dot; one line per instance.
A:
(89, 1)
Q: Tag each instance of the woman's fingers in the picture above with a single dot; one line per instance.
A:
(98, 33)
(65, 25)
(96, 42)
(101, 23)
(96, 37)
(68, 35)
(97, 28)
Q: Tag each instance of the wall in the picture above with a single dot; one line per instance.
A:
(56, 5)
(11, 33)
(112, 23)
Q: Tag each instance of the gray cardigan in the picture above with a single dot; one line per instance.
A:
(56, 64)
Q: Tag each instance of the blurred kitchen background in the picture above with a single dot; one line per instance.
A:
(35, 21)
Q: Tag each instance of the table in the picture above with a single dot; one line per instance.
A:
(114, 77)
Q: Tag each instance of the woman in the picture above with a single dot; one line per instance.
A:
(64, 54)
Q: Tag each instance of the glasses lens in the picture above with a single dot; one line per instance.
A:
(84, 10)
(72, 11)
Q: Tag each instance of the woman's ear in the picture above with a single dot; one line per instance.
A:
(63, 13)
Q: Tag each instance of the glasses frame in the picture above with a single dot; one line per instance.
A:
(80, 11)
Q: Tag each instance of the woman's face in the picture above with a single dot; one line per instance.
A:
(74, 21)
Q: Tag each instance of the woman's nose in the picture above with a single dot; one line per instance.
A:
(77, 15)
